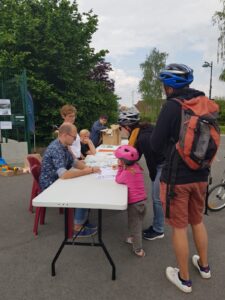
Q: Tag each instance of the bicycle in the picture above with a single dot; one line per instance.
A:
(216, 196)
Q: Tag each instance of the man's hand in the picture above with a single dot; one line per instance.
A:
(89, 170)
(80, 172)
(96, 170)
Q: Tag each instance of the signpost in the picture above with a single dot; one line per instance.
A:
(16, 106)
(5, 110)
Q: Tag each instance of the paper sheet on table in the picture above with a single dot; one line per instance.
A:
(101, 160)
(107, 173)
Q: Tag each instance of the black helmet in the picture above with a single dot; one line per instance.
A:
(176, 76)
(128, 118)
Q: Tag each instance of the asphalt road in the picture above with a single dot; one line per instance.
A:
(83, 272)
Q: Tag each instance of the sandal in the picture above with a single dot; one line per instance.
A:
(140, 253)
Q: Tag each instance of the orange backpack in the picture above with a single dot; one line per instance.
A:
(199, 136)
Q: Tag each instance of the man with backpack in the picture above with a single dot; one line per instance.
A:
(187, 132)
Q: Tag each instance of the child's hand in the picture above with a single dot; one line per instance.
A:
(114, 167)
(120, 163)
(85, 140)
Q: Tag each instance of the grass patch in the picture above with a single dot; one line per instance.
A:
(222, 129)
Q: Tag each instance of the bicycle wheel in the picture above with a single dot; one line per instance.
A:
(216, 198)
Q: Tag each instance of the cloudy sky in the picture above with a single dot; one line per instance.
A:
(130, 29)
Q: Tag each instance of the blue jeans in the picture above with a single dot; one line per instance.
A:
(80, 215)
(158, 218)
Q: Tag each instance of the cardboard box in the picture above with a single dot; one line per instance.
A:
(111, 136)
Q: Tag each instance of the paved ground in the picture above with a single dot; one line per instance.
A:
(83, 272)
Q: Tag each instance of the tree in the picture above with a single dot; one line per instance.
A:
(100, 74)
(150, 86)
(219, 18)
(51, 39)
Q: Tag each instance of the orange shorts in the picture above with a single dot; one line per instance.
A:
(188, 204)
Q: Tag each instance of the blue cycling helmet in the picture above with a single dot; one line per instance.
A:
(176, 76)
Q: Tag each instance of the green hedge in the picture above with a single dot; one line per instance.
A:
(221, 103)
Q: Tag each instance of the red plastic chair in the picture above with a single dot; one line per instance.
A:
(35, 187)
(40, 211)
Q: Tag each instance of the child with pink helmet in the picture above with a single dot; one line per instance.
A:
(131, 174)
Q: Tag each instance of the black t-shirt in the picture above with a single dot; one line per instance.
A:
(143, 145)
(84, 149)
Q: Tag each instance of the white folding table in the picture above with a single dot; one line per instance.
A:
(84, 192)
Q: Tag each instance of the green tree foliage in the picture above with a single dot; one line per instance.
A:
(219, 19)
(221, 103)
(51, 39)
(150, 86)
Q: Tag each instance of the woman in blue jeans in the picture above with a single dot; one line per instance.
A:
(139, 134)
(157, 229)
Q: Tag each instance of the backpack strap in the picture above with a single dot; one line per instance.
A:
(172, 173)
(180, 101)
(177, 100)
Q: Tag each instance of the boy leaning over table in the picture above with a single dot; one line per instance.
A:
(58, 162)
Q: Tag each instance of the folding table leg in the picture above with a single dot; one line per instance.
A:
(70, 222)
(64, 241)
(103, 245)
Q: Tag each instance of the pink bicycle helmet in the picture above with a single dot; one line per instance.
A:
(127, 153)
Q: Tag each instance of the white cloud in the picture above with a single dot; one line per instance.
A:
(129, 24)
(181, 28)
(126, 86)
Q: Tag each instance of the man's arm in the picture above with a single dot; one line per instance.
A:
(96, 133)
(98, 126)
(72, 173)
(167, 127)
(80, 169)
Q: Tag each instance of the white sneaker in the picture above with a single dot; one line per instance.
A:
(172, 276)
(204, 271)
